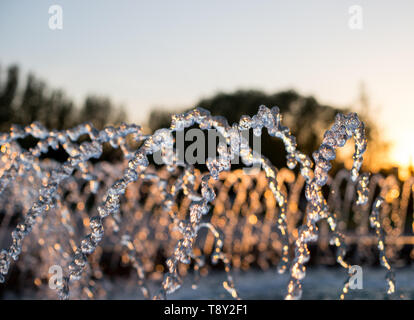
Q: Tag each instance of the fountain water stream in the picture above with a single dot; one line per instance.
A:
(71, 211)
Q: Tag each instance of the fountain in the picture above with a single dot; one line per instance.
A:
(75, 214)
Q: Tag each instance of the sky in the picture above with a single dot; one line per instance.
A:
(167, 54)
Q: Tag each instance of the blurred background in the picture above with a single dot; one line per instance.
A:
(66, 62)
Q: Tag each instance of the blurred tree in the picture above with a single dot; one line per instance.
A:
(99, 107)
(51, 107)
(159, 118)
(37, 102)
(101, 112)
(33, 101)
(7, 95)
(63, 110)
(304, 115)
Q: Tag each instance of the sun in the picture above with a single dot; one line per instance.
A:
(402, 156)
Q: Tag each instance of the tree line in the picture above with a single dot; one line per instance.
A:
(307, 118)
(22, 102)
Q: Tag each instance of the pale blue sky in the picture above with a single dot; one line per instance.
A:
(145, 54)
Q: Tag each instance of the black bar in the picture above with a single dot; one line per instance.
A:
(206, 309)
